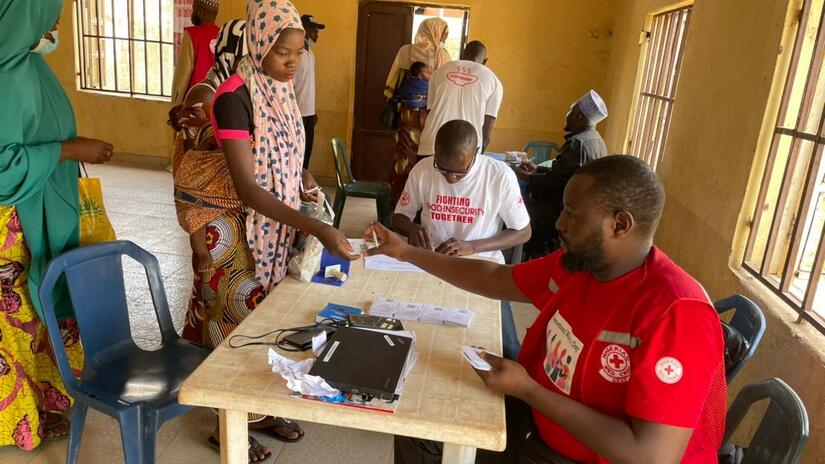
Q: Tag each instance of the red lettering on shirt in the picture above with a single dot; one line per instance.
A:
(454, 209)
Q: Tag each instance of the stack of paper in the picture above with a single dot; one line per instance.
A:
(421, 312)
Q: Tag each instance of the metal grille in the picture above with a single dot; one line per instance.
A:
(125, 47)
(660, 76)
(785, 246)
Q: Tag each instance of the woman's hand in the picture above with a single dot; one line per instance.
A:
(86, 150)
(310, 189)
(336, 242)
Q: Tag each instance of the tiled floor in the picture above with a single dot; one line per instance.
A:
(139, 203)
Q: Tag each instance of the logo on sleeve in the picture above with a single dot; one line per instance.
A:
(615, 364)
(669, 370)
(405, 198)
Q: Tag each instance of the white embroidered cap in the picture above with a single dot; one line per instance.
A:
(593, 107)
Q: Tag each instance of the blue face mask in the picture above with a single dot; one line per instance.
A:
(46, 46)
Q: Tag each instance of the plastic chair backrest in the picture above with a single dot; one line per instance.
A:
(783, 431)
(749, 320)
(94, 275)
(339, 153)
(540, 151)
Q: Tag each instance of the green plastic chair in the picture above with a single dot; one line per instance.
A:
(355, 188)
(540, 151)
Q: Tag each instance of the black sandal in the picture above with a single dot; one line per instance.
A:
(281, 423)
(254, 445)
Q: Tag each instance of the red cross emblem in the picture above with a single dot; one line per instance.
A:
(615, 364)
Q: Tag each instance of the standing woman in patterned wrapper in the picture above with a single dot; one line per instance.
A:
(258, 124)
(39, 219)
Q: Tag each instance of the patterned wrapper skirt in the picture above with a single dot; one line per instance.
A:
(30, 384)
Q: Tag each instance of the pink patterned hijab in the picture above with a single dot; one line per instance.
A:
(278, 144)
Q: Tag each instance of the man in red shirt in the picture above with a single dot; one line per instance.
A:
(197, 49)
(624, 363)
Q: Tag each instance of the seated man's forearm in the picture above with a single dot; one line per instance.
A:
(478, 276)
(609, 437)
(401, 224)
(504, 240)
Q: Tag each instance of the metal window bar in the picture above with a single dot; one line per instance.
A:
(94, 62)
(660, 75)
(804, 215)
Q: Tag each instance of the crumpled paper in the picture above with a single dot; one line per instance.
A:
(297, 378)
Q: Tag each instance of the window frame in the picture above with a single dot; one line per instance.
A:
(85, 80)
(648, 75)
(804, 215)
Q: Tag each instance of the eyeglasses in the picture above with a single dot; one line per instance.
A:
(456, 174)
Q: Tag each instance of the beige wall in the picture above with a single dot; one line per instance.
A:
(732, 53)
(544, 59)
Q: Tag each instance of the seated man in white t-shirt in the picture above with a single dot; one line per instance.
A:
(470, 205)
(465, 89)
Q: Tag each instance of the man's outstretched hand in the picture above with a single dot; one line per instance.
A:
(389, 243)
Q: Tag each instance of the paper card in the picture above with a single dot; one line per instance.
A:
(318, 342)
(473, 356)
(330, 271)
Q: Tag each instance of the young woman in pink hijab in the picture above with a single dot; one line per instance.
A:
(257, 123)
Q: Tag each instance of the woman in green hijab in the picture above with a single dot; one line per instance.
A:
(39, 219)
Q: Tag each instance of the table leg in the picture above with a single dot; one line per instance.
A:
(458, 454)
(234, 433)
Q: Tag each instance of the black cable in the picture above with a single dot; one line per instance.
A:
(279, 342)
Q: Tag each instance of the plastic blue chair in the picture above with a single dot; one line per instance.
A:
(357, 188)
(540, 151)
(749, 320)
(783, 432)
(138, 388)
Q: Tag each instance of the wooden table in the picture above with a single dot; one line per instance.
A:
(443, 398)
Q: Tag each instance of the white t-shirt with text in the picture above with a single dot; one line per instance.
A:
(475, 208)
(304, 82)
(460, 90)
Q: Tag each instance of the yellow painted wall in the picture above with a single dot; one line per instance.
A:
(724, 98)
(132, 125)
(540, 81)
(545, 57)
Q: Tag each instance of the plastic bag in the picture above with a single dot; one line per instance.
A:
(94, 223)
(306, 259)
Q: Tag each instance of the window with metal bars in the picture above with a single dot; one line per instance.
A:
(785, 244)
(665, 43)
(125, 47)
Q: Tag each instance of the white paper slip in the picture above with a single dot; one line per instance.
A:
(380, 262)
(473, 356)
(459, 316)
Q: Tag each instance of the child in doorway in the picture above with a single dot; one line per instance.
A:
(413, 91)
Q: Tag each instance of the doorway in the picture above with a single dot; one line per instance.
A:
(383, 27)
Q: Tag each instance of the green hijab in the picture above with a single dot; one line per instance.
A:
(35, 116)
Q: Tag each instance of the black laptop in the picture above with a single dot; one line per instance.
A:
(363, 361)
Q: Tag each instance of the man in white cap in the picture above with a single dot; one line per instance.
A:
(546, 184)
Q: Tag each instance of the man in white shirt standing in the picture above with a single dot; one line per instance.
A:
(304, 83)
(465, 89)
(470, 205)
